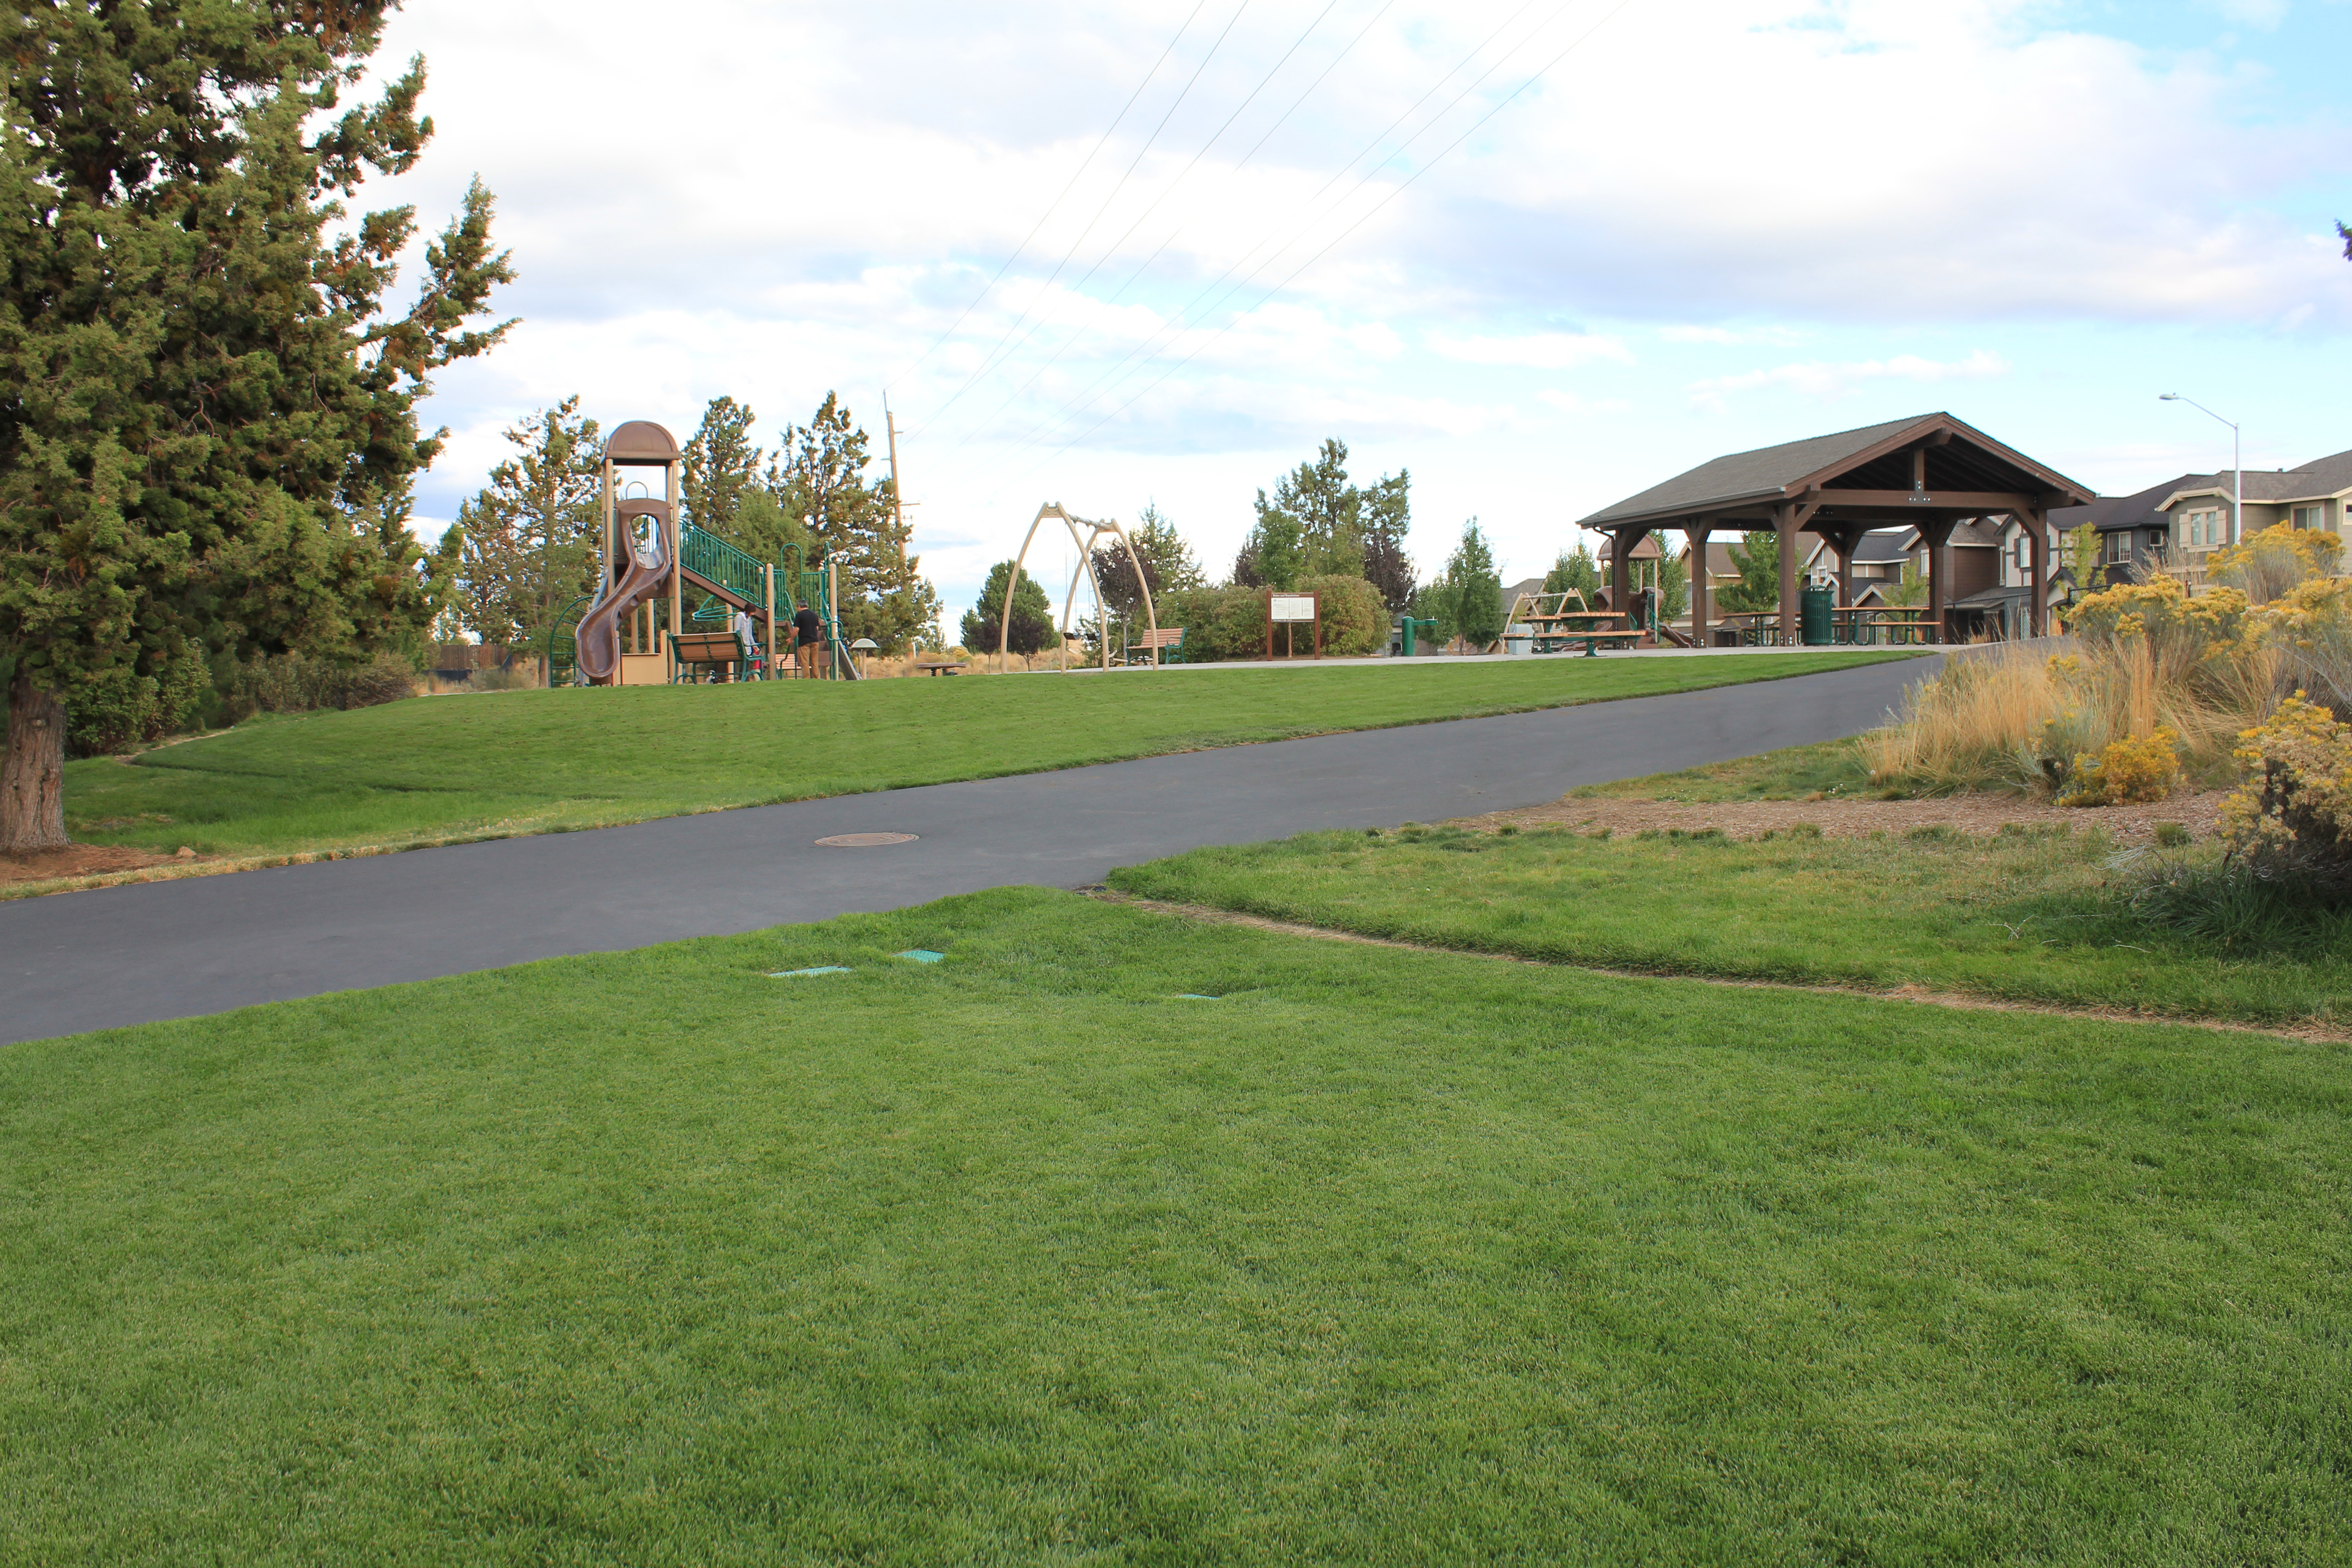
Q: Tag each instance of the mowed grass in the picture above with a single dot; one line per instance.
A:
(2032, 917)
(441, 768)
(1384, 1257)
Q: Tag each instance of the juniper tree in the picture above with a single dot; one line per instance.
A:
(819, 474)
(207, 406)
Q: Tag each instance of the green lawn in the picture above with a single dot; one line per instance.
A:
(1019, 1258)
(533, 761)
(2031, 916)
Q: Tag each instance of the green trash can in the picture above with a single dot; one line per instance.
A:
(1814, 617)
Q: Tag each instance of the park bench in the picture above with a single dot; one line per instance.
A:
(1170, 640)
(692, 653)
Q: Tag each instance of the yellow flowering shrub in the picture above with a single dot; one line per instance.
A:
(2125, 772)
(2311, 626)
(2272, 561)
(2294, 810)
(2164, 613)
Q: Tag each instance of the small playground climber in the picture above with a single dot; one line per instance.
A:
(809, 629)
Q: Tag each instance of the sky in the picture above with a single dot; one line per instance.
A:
(1543, 254)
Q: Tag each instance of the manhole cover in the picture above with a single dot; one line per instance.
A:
(865, 840)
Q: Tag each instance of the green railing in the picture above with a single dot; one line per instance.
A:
(714, 559)
(562, 643)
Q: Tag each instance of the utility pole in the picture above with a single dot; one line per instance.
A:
(898, 494)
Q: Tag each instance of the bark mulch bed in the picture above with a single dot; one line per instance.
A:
(1837, 818)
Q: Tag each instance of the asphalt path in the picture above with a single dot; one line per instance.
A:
(143, 951)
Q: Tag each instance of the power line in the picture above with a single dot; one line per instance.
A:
(1505, 103)
(1086, 163)
(990, 361)
(1177, 323)
(1118, 293)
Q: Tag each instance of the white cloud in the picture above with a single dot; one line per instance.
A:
(1815, 379)
(1539, 351)
(1776, 337)
(1569, 403)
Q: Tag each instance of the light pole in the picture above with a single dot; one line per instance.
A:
(2237, 463)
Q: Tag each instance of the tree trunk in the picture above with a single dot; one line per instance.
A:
(33, 775)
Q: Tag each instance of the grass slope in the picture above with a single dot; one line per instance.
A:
(533, 761)
(1384, 1257)
(2026, 917)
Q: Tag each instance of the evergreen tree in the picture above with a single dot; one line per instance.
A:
(529, 540)
(207, 410)
(1476, 597)
(722, 463)
(1757, 559)
(819, 475)
(1032, 625)
(1574, 570)
(1385, 514)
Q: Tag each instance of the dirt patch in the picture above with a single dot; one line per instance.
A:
(83, 861)
(1974, 813)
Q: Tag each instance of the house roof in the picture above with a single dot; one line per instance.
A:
(2140, 509)
(2320, 477)
(1885, 544)
(1873, 456)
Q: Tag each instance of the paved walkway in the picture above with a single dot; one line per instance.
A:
(167, 949)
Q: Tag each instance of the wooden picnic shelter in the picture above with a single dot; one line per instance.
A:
(1931, 471)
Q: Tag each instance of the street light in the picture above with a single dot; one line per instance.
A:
(2237, 464)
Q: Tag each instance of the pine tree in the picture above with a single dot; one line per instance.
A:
(1386, 514)
(722, 463)
(819, 474)
(1032, 625)
(529, 539)
(207, 412)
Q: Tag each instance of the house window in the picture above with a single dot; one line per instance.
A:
(2310, 517)
(2117, 548)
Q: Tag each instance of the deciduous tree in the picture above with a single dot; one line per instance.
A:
(1757, 559)
(208, 410)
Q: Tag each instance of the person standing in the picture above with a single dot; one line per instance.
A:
(809, 630)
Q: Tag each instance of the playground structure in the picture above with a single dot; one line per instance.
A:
(635, 630)
(1095, 532)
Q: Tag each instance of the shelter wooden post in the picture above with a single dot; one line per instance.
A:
(1697, 533)
(2037, 611)
(1784, 528)
(768, 583)
(1934, 533)
(1620, 580)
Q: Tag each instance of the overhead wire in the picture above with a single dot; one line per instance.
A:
(990, 361)
(1311, 216)
(1504, 103)
(1101, 142)
(1120, 292)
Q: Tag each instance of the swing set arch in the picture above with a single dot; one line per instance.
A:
(1095, 531)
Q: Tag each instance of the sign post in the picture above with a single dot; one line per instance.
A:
(1290, 609)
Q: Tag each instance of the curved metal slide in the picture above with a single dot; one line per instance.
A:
(635, 576)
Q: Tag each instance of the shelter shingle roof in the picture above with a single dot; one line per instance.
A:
(1764, 472)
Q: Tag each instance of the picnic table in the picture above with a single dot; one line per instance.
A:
(1548, 633)
(940, 666)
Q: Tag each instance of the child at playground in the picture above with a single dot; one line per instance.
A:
(745, 637)
(809, 629)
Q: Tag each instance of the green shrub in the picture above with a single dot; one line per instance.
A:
(122, 708)
(1226, 623)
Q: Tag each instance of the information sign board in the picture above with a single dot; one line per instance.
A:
(1291, 608)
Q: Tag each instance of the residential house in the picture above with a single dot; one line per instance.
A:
(2175, 525)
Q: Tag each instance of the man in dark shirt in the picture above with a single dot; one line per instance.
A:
(808, 630)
